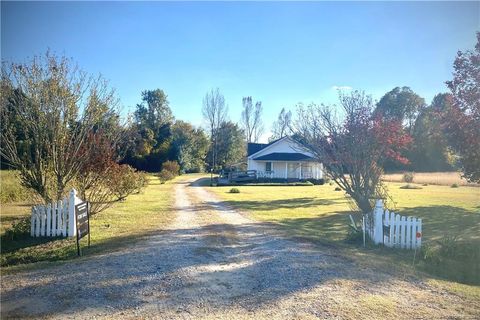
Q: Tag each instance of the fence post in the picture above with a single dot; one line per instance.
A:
(32, 222)
(43, 215)
(392, 229)
(58, 217)
(419, 230)
(54, 219)
(378, 222)
(49, 220)
(64, 217)
(72, 220)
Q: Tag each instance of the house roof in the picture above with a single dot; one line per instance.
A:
(283, 156)
(253, 148)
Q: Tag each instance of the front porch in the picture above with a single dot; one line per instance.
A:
(288, 170)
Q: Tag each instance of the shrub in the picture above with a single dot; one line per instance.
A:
(166, 175)
(453, 260)
(125, 180)
(170, 169)
(408, 177)
(171, 166)
(19, 229)
(234, 190)
(141, 181)
(316, 181)
(354, 236)
(410, 186)
(454, 185)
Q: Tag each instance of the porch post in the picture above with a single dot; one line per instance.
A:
(300, 171)
(286, 170)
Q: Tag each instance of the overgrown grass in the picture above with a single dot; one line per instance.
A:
(10, 188)
(137, 217)
(320, 214)
(437, 178)
(15, 200)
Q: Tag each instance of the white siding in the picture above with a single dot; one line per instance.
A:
(286, 145)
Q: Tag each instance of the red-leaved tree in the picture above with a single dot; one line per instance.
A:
(353, 150)
(461, 122)
(102, 181)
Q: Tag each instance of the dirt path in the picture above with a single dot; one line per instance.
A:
(212, 262)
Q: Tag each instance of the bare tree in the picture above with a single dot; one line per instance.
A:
(214, 112)
(252, 119)
(283, 125)
(354, 149)
(48, 107)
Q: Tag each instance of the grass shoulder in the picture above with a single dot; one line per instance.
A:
(320, 214)
(127, 222)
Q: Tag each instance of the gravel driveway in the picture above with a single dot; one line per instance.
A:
(213, 262)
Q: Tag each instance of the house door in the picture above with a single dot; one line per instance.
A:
(292, 172)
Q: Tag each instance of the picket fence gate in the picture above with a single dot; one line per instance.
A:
(57, 219)
(393, 230)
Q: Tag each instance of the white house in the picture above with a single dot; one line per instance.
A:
(284, 159)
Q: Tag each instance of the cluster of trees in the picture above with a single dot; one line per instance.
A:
(227, 139)
(398, 130)
(429, 150)
(445, 133)
(61, 129)
(154, 137)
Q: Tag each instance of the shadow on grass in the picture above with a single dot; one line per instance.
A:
(30, 250)
(293, 203)
(455, 261)
(201, 182)
(11, 218)
(438, 221)
(327, 228)
(264, 269)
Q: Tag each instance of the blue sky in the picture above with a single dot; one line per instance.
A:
(279, 53)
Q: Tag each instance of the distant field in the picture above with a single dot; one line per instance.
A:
(437, 178)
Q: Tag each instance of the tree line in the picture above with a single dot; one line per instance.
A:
(429, 150)
(62, 127)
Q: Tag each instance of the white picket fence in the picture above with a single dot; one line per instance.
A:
(393, 230)
(57, 219)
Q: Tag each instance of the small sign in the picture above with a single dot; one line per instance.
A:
(82, 213)
(419, 235)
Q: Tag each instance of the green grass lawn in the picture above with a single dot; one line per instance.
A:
(320, 213)
(138, 216)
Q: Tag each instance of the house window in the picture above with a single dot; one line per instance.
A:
(268, 166)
